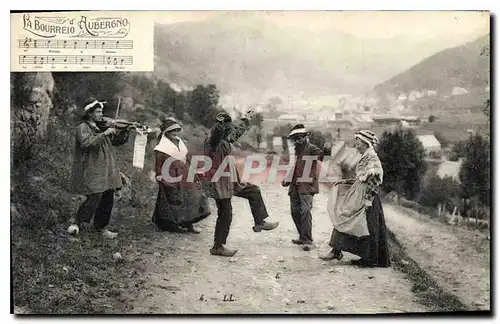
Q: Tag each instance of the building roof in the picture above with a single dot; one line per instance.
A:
(290, 117)
(429, 141)
(450, 169)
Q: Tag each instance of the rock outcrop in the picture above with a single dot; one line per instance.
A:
(31, 104)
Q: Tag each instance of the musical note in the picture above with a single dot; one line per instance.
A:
(76, 59)
(63, 43)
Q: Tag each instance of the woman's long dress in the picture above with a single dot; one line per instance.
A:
(372, 248)
(361, 231)
(181, 203)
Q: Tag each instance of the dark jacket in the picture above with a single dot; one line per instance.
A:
(94, 167)
(219, 147)
(306, 187)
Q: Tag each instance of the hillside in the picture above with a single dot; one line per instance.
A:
(462, 66)
(255, 58)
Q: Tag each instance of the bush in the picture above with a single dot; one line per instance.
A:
(439, 191)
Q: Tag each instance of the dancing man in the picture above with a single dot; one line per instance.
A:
(218, 146)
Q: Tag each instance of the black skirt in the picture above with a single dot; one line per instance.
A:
(373, 248)
(179, 207)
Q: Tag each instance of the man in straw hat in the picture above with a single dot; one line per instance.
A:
(95, 172)
(218, 146)
(303, 184)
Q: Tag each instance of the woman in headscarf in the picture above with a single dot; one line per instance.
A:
(180, 204)
(359, 222)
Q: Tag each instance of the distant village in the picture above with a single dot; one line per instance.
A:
(342, 115)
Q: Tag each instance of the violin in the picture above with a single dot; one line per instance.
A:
(123, 124)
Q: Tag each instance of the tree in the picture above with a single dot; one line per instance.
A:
(402, 156)
(75, 88)
(203, 104)
(441, 139)
(257, 121)
(275, 101)
(432, 119)
(439, 192)
(282, 130)
(475, 170)
(319, 138)
(485, 51)
(458, 151)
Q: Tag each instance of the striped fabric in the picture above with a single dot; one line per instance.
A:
(368, 137)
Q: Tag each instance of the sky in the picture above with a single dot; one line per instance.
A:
(459, 26)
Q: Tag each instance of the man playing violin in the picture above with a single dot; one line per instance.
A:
(95, 172)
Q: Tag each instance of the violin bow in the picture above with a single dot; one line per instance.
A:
(118, 108)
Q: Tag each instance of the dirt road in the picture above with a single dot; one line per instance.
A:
(268, 274)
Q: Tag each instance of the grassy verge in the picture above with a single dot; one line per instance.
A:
(53, 273)
(427, 290)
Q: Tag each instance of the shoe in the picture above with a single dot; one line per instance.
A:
(192, 229)
(332, 255)
(108, 234)
(298, 242)
(308, 246)
(266, 226)
(73, 229)
(223, 251)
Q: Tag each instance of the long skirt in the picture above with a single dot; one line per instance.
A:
(372, 248)
(179, 207)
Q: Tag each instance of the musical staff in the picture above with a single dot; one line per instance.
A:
(75, 44)
(76, 59)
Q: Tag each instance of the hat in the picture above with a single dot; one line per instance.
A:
(298, 129)
(169, 124)
(223, 117)
(367, 137)
(91, 104)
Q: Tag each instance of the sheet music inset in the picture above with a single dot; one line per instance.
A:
(82, 41)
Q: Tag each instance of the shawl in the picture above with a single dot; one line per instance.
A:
(168, 147)
(369, 165)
